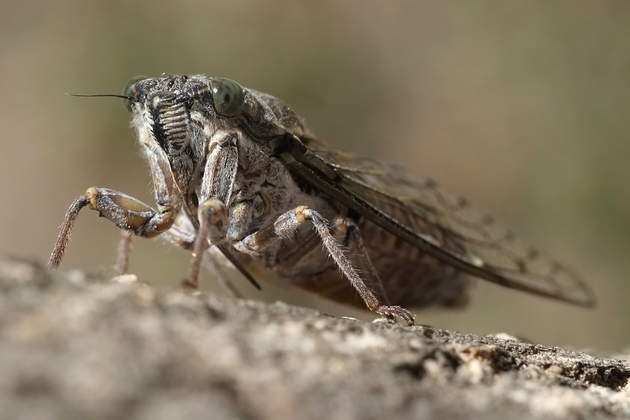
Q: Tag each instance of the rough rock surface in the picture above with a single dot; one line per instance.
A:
(74, 346)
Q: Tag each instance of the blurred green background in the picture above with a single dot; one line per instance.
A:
(523, 107)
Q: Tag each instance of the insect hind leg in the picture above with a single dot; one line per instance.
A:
(291, 221)
(356, 240)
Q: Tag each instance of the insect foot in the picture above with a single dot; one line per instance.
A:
(390, 312)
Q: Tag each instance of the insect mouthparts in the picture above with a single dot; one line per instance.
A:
(170, 120)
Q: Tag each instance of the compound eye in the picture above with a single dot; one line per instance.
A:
(129, 91)
(228, 97)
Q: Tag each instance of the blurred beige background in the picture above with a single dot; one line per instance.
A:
(523, 107)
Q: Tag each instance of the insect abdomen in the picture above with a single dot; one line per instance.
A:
(410, 278)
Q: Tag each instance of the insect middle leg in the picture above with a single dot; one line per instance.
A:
(290, 222)
(183, 234)
(212, 229)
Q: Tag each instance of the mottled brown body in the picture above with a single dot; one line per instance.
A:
(236, 172)
(434, 283)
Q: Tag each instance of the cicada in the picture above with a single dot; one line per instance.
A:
(238, 176)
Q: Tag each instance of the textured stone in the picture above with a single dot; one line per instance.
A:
(75, 346)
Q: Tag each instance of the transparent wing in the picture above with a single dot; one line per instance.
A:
(455, 231)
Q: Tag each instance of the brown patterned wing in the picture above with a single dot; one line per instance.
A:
(442, 223)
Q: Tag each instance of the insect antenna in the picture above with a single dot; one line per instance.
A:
(102, 95)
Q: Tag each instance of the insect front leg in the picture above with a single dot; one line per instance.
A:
(290, 222)
(125, 212)
(122, 255)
